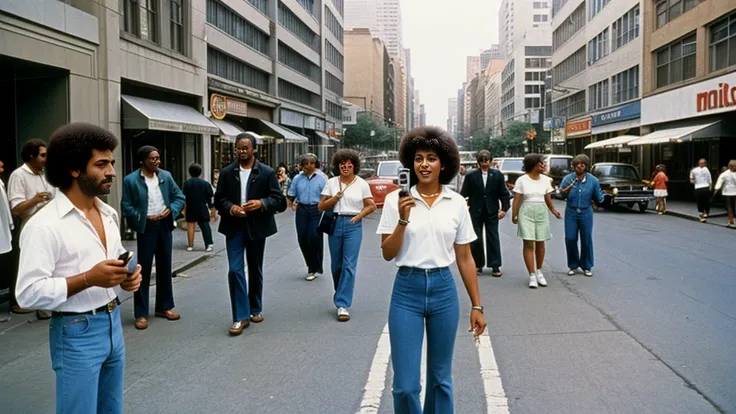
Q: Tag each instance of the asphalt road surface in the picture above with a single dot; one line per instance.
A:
(653, 331)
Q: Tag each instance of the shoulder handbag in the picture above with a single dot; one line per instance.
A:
(327, 221)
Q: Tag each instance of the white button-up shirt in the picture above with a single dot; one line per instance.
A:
(60, 242)
(432, 232)
(701, 177)
(6, 221)
(727, 180)
(23, 185)
(156, 204)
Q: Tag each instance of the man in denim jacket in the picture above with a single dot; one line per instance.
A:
(582, 189)
(151, 202)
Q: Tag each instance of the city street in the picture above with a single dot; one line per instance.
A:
(652, 331)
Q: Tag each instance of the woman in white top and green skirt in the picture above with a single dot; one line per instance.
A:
(532, 199)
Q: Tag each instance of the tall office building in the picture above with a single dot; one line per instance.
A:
(494, 52)
(516, 17)
(409, 92)
(522, 79)
(422, 116)
(452, 116)
(366, 72)
(472, 67)
(382, 17)
(361, 14)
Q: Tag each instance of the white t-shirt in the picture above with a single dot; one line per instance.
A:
(431, 235)
(352, 198)
(727, 180)
(23, 185)
(244, 176)
(533, 190)
(701, 176)
(156, 204)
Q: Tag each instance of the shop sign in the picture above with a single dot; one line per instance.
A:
(221, 105)
(350, 113)
(708, 97)
(622, 113)
(578, 128)
(290, 118)
(310, 122)
(179, 127)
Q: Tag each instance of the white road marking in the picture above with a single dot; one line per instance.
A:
(376, 383)
(493, 388)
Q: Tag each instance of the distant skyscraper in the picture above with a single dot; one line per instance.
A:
(361, 14)
(495, 52)
(422, 116)
(472, 67)
(409, 91)
(452, 116)
(515, 17)
(382, 17)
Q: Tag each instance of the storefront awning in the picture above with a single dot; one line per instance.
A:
(613, 142)
(285, 133)
(688, 133)
(231, 130)
(327, 141)
(141, 113)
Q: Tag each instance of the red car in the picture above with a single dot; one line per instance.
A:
(385, 180)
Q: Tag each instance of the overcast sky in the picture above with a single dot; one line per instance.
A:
(441, 34)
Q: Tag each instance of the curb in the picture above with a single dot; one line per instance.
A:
(690, 216)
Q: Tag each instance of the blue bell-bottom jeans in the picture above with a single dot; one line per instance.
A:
(423, 299)
(344, 245)
(579, 226)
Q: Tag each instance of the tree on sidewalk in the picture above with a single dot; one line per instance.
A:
(359, 136)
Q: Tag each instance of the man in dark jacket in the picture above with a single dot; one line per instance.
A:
(247, 197)
(485, 188)
(151, 202)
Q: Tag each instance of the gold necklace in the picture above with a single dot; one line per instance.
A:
(431, 195)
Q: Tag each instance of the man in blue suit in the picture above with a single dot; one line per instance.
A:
(151, 201)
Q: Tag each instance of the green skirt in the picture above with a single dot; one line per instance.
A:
(534, 222)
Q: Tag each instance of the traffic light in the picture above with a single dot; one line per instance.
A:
(531, 134)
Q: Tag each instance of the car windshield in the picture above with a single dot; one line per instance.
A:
(626, 172)
(512, 165)
(389, 169)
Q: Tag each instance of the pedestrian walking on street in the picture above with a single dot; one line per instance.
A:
(247, 197)
(485, 189)
(424, 232)
(304, 194)
(6, 232)
(69, 264)
(199, 208)
(582, 190)
(349, 198)
(659, 183)
(727, 182)
(700, 177)
(28, 192)
(532, 198)
(284, 180)
(151, 202)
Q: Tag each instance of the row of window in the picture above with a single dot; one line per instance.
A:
(544, 63)
(557, 5)
(333, 84)
(340, 6)
(676, 61)
(145, 19)
(532, 89)
(668, 10)
(231, 23)
(261, 5)
(288, 90)
(292, 23)
(625, 29)
(308, 5)
(333, 25)
(540, 18)
(334, 110)
(540, 5)
(535, 76)
(569, 67)
(598, 47)
(508, 111)
(225, 66)
(334, 56)
(598, 95)
(531, 103)
(574, 24)
(571, 106)
(299, 63)
(596, 6)
(625, 85)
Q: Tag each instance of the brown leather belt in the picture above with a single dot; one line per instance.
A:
(109, 308)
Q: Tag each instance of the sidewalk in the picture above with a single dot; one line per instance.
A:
(689, 211)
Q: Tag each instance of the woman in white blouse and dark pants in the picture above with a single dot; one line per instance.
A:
(424, 232)
(700, 177)
(350, 198)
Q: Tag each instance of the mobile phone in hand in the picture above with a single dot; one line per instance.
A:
(404, 182)
(128, 261)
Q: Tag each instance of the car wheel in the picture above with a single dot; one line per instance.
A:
(643, 207)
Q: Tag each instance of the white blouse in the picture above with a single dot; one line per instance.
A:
(351, 202)
(533, 190)
(432, 232)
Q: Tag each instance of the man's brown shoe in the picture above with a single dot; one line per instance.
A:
(169, 314)
(141, 323)
(238, 327)
(18, 310)
(256, 318)
(42, 315)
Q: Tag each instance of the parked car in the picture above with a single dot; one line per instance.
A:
(384, 181)
(556, 168)
(622, 185)
(512, 169)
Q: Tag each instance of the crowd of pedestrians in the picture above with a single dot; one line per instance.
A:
(70, 258)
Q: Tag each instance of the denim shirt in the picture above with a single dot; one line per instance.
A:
(584, 192)
(307, 190)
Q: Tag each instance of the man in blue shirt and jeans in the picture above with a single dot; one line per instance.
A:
(581, 188)
(305, 191)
